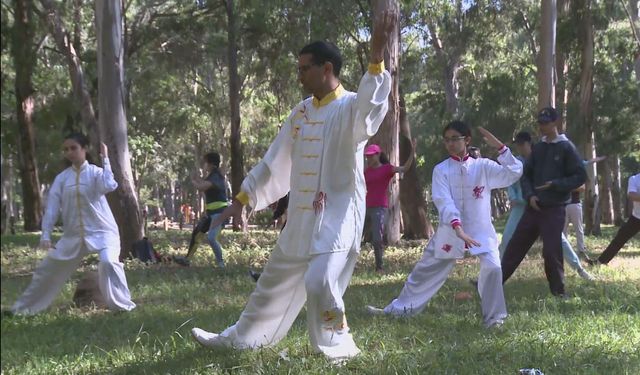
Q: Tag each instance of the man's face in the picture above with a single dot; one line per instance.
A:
(524, 148)
(547, 128)
(310, 75)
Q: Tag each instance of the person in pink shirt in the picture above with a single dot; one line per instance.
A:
(377, 176)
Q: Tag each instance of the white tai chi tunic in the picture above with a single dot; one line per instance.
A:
(318, 157)
(89, 226)
(462, 194)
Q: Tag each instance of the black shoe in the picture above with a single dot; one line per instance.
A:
(185, 262)
(592, 262)
(562, 296)
(254, 275)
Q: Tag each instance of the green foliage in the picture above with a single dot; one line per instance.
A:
(596, 331)
(176, 76)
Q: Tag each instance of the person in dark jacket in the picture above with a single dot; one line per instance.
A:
(552, 171)
(214, 188)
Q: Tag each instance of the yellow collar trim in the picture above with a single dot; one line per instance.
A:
(335, 94)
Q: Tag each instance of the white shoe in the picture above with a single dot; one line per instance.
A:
(585, 275)
(496, 324)
(374, 310)
(204, 338)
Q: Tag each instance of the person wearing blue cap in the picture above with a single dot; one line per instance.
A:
(523, 144)
(552, 171)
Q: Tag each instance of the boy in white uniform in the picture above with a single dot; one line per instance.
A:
(318, 157)
(462, 193)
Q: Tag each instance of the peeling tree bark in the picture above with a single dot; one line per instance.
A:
(113, 122)
(24, 59)
(412, 197)
(546, 86)
(76, 73)
(387, 136)
(235, 138)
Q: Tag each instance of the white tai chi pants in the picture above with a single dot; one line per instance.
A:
(430, 273)
(51, 274)
(284, 286)
(574, 216)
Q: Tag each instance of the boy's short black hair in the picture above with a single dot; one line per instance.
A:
(522, 137)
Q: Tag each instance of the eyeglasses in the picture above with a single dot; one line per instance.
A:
(304, 68)
(453, 139)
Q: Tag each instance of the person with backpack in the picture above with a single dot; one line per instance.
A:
(78, 195)
(215, 193)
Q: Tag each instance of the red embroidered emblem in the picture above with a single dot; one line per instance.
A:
(477, 192)
(446, 247)
(320, 202)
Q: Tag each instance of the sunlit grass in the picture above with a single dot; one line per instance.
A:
(596, 331)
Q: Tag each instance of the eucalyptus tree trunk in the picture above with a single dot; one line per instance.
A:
(584, 121)
(546, 86)
(235, 138)
(616, 191)
(633, 18)
(24, 60)
(113, 122)
(562, 70)
(414, 203)
(606, 202)
(387, 135)
(80, 92)
(450, 64)
(8, 216)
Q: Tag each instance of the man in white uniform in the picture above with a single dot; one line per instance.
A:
(318, 157)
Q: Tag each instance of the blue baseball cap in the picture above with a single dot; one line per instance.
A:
(547, 115)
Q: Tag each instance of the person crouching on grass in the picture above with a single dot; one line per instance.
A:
(461, 190)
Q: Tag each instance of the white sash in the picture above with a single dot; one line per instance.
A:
(446, 244)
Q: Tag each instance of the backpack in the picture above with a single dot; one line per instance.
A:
(143, 250)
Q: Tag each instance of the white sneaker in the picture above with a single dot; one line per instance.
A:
(585, 275)
(496, 324)
(374, 310)
(204, 338)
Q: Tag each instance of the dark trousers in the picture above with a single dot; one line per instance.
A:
(547, 223)
(626, 231)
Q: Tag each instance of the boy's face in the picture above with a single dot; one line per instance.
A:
(524, 148)
(455, 143)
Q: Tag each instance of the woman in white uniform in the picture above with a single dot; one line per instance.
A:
(78, 194)
(462, 193)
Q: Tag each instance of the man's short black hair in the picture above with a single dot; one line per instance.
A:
(522, 137)
(322, 52)
(547, 115)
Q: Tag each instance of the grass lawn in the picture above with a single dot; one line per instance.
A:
(596, 331)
